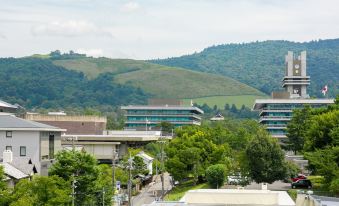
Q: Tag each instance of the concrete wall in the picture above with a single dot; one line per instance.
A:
(73, 124)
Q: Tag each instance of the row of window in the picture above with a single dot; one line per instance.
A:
(22, 150)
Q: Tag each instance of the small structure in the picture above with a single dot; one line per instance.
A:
(25, 138)
(148, 160)
(218, 117)
(7, 107)
(16, 168)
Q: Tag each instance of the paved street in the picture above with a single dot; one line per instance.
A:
(151, 191)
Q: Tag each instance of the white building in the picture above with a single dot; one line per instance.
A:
(25, 138)
(148, 160)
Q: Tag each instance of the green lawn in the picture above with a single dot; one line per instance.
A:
(179, 191)
(220, 101)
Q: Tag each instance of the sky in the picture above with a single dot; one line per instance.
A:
(151, 29)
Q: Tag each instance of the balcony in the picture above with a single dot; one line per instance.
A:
(163, 115)
(275, 118)
(265, 110)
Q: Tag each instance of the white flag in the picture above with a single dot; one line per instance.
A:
(324, 90)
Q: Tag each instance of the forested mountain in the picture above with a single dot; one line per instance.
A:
(74, 80)
(35, 82)
(261, 64)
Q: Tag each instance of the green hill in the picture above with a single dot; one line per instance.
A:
(261, 64)
(162, 81)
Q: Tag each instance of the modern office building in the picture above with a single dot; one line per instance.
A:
(276, 112)
(146, 117)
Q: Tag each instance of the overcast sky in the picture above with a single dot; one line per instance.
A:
(148, 29)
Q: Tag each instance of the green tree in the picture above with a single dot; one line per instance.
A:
(104, 185)
(166, 127)
(296, 129)
(83, 167)
(4, 192)
(139, 167)
(42, 190)
(216, 175)
(265, 159)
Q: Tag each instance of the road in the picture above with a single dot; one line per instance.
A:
(152, 191)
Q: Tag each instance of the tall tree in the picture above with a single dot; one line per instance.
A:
(216, 175)
(296, 129)
(41, 190)
(81, 167)
(265, 159)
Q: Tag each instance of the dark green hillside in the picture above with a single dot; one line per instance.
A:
(261, 64)
(36, 82)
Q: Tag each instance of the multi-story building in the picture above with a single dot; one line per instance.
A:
(39, 142)
(147, 116)
(276, 112)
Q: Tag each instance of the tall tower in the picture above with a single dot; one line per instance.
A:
(295, 80)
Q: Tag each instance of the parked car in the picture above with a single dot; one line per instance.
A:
(237, 180)
(302, 183)
(299, 177)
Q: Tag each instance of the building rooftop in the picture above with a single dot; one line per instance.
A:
(161, 107)
(259, 103)
(8, 105)
(11, 122)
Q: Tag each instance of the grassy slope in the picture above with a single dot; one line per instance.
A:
(161, 81)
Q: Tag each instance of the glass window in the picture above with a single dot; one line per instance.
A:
(22, 151)
(9, 148)
(8, 133)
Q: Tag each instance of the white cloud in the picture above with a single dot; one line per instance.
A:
(91, 52)
(2, 36)
(130, 7)
(70, 28)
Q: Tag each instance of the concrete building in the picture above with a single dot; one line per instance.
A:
(25, 138)
(74, 124)
(224, 197)
(102, 146)
(7, 107)
(276, 112)
(146, 117)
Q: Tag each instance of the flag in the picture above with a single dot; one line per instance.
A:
(324, 90)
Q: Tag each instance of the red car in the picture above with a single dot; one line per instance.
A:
(299, 177)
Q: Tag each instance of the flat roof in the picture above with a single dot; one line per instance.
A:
(102, 138)
(259, 103)
(161, 107)
(13, 123)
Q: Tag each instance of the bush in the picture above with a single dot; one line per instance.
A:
(215, 175)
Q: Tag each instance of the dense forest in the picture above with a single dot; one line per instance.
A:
(36, 82)
(261, 64)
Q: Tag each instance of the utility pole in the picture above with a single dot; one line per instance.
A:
(162, 156)
(73, 189)
(113, 170)
(130, 161)
(103, 196)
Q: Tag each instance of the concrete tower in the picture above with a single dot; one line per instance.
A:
(295, 80)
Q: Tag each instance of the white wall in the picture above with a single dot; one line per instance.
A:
(29, 139)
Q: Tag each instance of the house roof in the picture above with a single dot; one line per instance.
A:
(145, 156)
(11, 122)
(24, 164)
(8, 105)
(12, 171)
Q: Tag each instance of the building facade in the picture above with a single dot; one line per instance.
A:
(7, 107)
(148, 116)
(275, 113)
(74, 124)
(39, 142)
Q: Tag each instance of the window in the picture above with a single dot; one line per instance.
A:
(8, 133)
(9, 148)
(22, 151)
